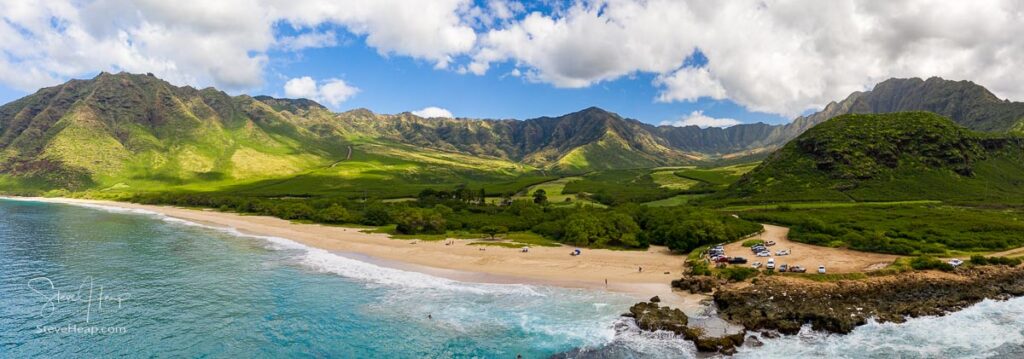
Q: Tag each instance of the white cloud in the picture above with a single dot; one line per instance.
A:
(699, 119)
(768, 55)
(308, 40)
(690, 84)
(433, 112)
(777, 56)
(332, 92)
(201, 42)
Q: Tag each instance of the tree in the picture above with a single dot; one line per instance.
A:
(376, 215)
(582, 229)
(418, 220)
(621, 229)
(334, 214)
(540, 196)
(492, 231)
(483, 196)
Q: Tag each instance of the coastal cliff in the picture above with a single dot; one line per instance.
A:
(786, 304)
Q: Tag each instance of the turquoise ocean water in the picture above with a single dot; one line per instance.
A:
(100, 282)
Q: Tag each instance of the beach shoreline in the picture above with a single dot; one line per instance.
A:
(548, 266)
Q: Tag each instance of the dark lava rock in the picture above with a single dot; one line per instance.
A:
(652, 317)
(754, 342)
(655, 299)
(786, 304)
(696, 284)
(649, 316)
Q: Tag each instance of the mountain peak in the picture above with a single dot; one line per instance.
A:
(594, 110)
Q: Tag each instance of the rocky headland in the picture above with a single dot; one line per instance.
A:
(785, 304)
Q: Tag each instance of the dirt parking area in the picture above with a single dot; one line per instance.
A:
(836, 260)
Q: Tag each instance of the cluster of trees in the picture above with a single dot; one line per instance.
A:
(437, 212)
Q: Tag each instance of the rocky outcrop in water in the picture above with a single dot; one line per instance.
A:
(652, 317)
(786, 304)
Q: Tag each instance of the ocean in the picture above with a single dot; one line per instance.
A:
(93, 281)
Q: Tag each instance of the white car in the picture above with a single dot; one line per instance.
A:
(782, 252)
(764, 254)
(955, 262)
(756, 265)
(821, 269)
(771, 264)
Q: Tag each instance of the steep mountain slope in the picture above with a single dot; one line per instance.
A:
(886, 157)
(128, 126)
(965, 102)
(141, 132)
(584, 140)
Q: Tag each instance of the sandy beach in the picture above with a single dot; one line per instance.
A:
(460, 261)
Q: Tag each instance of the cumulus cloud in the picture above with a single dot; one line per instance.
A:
(200, 43)
(310, 40)
(699, 119)
(331, 91)
(433, 112)
(775, 56)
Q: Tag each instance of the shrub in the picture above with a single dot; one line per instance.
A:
(752, 242)
(699, 268)
(926, 262)
(1006, 261)
(737, 274)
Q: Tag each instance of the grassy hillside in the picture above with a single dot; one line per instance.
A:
(904, 229)
(890, 157)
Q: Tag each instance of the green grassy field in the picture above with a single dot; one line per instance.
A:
(554, 191)
(669, 179)
(612, 187)
(904, 229)
(678, 200)
(812, 205)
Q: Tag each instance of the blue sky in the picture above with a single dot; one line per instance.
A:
(393, 84)
(659, 61)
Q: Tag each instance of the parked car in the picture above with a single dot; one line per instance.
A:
(737, 260)
(771, 263)
(955, 262)
(722, 259)
(821, 269)
(769, 243)
(764, 254)
(756, 265)
(782, 252)
(783, 268)
(797, 269)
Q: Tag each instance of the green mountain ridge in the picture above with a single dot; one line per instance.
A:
(137, 131)
(889, 157)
